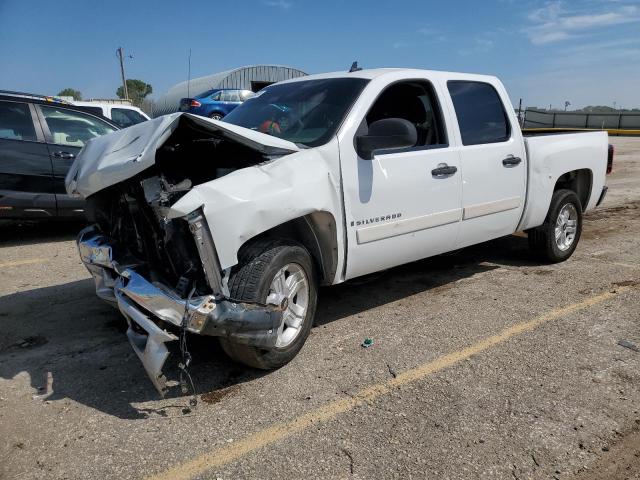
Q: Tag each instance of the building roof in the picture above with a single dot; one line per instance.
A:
(236, 78)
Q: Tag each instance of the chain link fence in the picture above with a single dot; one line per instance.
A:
(600, 121)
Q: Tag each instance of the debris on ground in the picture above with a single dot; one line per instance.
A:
(392, 371)
(629, 345)
(367, 342)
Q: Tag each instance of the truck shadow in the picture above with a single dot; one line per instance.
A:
(436, 274)
(63, 332)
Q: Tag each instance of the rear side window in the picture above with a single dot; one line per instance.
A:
(481, 115)
(16, 122)
(94, 110)
(231, 96)
(125, 117)
(246, 94)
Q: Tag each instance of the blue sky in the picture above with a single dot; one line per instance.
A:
(586, 52)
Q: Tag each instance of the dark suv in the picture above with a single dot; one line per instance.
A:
(39, 139)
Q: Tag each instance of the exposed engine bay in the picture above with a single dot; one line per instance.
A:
(134, 213)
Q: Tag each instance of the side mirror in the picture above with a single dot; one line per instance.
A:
(386, 134)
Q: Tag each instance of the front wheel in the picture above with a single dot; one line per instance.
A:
(269, 269)
(557, 238)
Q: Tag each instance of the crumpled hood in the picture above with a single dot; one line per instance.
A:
(107, 160)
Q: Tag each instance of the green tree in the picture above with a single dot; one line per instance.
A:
(70, 92)
(138, 90)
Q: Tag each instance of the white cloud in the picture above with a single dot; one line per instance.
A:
(281, 4)
(428, 36)
(483, 43)
(480, 45)
(431, 34)
(549, 37)
(401, 44)
(427, 31)
(553, 23)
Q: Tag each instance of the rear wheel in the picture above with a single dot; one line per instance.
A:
(557, 238)
(216, 116)
(269, 270)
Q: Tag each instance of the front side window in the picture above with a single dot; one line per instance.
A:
(416, 102)
(72, 128)
(481, 115)
(16, 122)
(307, 112)
(124, 117)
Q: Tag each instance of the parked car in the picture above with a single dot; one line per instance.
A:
(216, 103)
(39, 139)
(228, 228)
(122, 115)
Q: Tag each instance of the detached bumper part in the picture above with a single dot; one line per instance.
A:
(150, 345)
(146, 304)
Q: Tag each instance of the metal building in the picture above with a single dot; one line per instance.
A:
(254, 77)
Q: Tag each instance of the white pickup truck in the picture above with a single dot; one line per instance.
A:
(227, 229)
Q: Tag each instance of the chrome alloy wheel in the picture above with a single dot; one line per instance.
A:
(566, 226)
(290, 282)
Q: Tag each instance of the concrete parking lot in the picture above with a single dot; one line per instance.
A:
(485, 364)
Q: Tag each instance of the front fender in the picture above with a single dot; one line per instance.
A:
(250, 201)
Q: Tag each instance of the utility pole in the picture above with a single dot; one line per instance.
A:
(189, 75)
(120, 54)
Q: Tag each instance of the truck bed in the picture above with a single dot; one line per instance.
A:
(550, 156)
(537, 132)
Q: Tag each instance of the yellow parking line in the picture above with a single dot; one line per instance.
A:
(23, 262)
(327, 412)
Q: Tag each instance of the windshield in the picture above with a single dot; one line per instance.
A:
(306, 112)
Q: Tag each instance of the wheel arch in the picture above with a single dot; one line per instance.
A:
(317, 232)
(579, 181)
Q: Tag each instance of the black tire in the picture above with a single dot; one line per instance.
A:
(542, 241)
(216, 116)
(250, 281)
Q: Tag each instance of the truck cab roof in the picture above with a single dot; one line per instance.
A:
(374, 73)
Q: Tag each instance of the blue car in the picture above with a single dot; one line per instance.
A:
(216, 103)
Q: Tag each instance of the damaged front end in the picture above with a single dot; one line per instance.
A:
(156, 313)
(161, 272)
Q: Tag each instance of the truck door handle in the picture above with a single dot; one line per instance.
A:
(444, 170)
(511, 161)
(65, 155)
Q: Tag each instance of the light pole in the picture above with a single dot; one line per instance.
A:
(120, 55)
(566, 104)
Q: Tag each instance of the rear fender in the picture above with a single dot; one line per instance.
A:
(551, 158)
